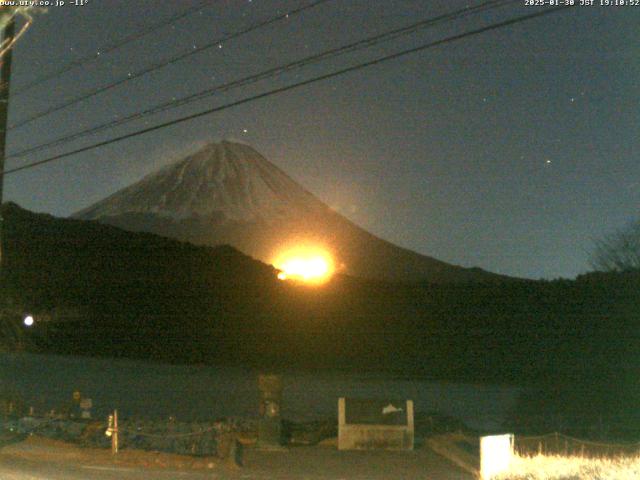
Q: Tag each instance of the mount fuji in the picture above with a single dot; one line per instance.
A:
(228, 193)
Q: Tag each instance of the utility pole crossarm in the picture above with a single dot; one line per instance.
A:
(8, 35)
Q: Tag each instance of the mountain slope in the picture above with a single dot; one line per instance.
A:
(228, 193)
(228, 179)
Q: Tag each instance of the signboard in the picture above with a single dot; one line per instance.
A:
(85, 407)
(375, 412)
(365, 424)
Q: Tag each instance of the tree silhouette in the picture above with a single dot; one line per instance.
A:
(620, 251)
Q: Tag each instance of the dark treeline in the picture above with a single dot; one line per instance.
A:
(144, 296)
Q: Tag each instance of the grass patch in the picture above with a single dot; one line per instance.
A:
(556, 467)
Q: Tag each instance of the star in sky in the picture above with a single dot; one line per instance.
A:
(314, 130)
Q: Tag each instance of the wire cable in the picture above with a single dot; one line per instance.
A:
(170, 61)
(358, 45)
(110, 48)
(453, 38)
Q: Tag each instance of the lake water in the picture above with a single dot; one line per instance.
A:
(138, 388)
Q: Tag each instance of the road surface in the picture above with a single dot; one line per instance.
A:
(36, 459)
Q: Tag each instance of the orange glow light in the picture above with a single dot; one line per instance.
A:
(306, 264)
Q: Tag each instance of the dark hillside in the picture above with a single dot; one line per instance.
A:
(146, 296)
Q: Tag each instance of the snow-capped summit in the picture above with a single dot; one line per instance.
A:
(229, 180)
(227, 193)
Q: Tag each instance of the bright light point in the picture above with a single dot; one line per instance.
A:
(28, 320)
(307, 265)
(496, 455)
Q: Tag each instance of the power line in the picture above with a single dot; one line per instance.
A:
(111, 47)
(170, 61)
(365, 43)
(292, 86)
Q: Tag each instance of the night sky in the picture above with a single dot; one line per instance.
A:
(512, 150)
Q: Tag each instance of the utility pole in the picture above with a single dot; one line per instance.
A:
(8, 34)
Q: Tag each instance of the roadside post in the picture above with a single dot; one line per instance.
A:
(114, 439)
(112, 431)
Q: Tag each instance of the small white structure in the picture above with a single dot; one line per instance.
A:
(496, 454)
(86, 404)
(375, 424)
